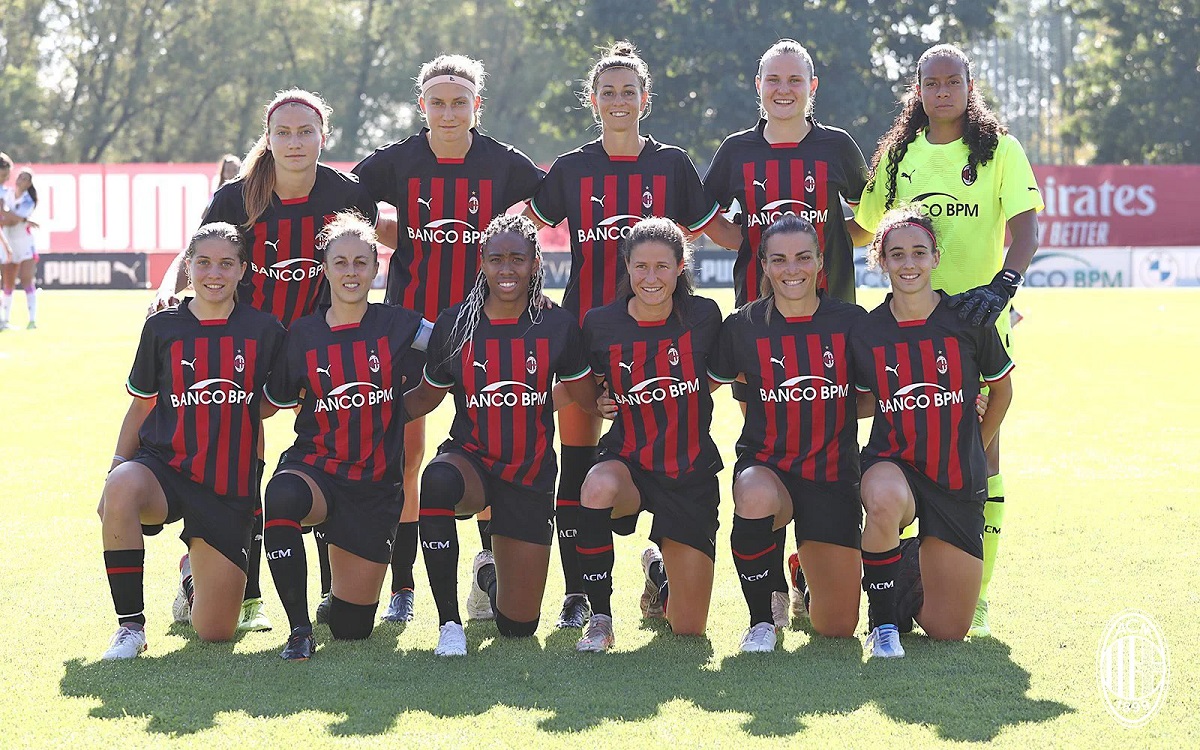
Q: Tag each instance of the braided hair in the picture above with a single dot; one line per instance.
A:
(981, 129)
(472, 308)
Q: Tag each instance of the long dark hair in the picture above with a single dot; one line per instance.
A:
(32, 191)
(981, 130)
(658, 229)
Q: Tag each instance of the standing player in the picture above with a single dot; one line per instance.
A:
(798, 451)
(925, 457)
(602, 189)
(652, 346)
(344, 473)
(280, 202)
(18, 262)
(788, 163)
(947, 151)
(188, 447)
(447, 183)
(227, 169)
(499, 352)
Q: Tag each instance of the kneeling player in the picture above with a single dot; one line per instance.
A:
(652, 347)
(925, 457)
(196, 381)
(798, 451)
(344, 473)
(499, 352)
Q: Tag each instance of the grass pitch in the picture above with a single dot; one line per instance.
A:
(1103, 516)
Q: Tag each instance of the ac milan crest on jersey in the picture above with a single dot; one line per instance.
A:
(502, 381)
(925, 376)
(284, 276)
(809, 179)
(800, 403)
(657, 374)
(603, 197)
(442, 208)
(206, 376)
(346, 382)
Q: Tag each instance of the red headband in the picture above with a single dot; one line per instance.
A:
(295, 100)
(899, 224)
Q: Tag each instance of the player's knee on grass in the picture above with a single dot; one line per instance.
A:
(351, 622)
(754, 494)
(884, 503)
(442, 486)
(288, 497)
(513, 629)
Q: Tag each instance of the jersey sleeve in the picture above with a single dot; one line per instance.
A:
(283, 387)
(697, 208)
(993, 359)
(523, 180)
(225, 206)
(437, 369)
(863, 378)
(591, 325)
(869, 209)
(1018, 187)
(856, 172)
(716, 180)
(376, 175)
(549, 201)
(365, 204)
(573, 362)
(143, 377)
(24, 207)
(722, 365)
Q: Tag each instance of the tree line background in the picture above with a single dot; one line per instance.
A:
(1078, 81)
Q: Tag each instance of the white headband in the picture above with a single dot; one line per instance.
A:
(456, 80)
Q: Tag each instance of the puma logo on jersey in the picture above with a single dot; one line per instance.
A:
(893, 370)
(599, 200)
(324, 370)
(425, 202)
(780, 361)
(273, 244)
(481, 365)
(192, 364)
(628, 368)
(908, 175)
(762, 184)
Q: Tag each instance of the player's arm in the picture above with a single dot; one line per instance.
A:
(724, 232)
(530, 214)
(858, 235)
(864, 405)
(982, 305)
(423, 399)
(388, 232)
(999, 398)
(582, 391)
(128, 441)
(173, 282)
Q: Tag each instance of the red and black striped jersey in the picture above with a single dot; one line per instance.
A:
(284, 275)
(502, 381)
(925, 376)
(809, 179)
(346, 381)
(442, 208)
(603, 196)
(658, 375)
(207, 377)
(800, 396)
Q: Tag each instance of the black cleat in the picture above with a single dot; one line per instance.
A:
(300, 645)
(910, 592)
(576, 610)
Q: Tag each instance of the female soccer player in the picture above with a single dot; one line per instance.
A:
(499, 352)
(788, 163)
(925, 457)
(228, 168)
(798, 451)
(947, 150)
(602, 189)
(281, 201)
(447, 183)
(344, 473)
(188, 447)
(652, 346)
(19, 261)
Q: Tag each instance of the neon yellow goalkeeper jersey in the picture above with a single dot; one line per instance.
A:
(969, 215)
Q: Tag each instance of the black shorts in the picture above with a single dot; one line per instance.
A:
(829, 512)
(740, 391)
(684, 509)
(224, 523)
(943, 514)
(361, 517)
(518, 512)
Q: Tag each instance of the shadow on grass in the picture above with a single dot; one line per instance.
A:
(966, 692)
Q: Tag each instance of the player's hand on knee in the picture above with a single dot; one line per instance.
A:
(607, 406)
(982, 305)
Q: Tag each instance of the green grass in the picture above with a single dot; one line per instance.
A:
(1103, 515)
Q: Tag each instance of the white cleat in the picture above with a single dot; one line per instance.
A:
(598, 637)
(759, 639)
(452, 641)
(884, 642)
(126, 643)
(479, 606)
